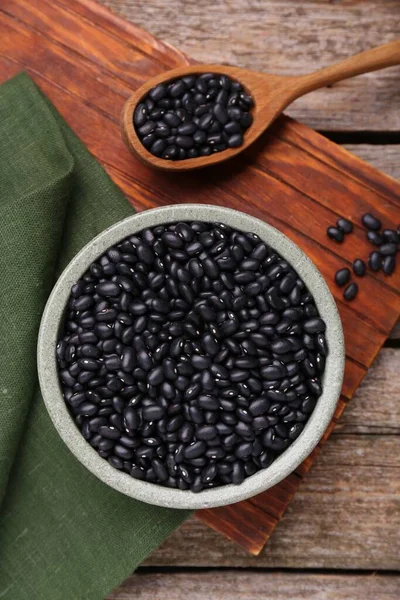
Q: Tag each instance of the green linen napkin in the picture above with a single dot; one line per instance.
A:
(64, 535)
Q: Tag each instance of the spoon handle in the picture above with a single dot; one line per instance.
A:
(370, 60)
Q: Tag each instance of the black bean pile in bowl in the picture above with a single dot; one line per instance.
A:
(193, 116)
(191, 355)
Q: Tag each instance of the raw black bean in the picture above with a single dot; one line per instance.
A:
(345, 225)
(359, 267)
(283, 345)
(195, 450)
(389, 263)
(108, 432)
(153, 412)
(237, 472)
(374, 238)
(371, 222)
(235, 140)
(375, 260)
(388, 249)
(335, 234)
(206, 432)
(342, 276)
(390, 235)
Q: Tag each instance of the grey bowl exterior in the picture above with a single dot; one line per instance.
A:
(150, 492)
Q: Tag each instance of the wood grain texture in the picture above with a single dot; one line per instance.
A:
(357, 474)
(253, 586)
(88, 63)
(287, 37)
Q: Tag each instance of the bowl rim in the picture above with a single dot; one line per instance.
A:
(152, 493)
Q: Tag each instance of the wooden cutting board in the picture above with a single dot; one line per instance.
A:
(88, 62)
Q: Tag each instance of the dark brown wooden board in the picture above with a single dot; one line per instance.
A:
(88, 62)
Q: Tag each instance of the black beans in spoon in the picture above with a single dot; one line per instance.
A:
(193, 116)
(191, 355)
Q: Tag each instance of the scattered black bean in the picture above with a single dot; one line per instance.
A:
(342, 276)
(351, 291)
(375, 260)
(371, 222)
(335, 234)
(388, 248)
(192, 354)
(374, 238)
(389, 263)
(390, 235)
(186, 118)
(345, 225)
(359, 267)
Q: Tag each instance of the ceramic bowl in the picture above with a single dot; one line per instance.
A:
(150, 492)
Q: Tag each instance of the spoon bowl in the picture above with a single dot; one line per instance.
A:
(271, 94)
(259, 86)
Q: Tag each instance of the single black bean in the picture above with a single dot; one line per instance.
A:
(345, 225)
(315, 325)
(371, 222)
(195, 450)
(388, 248)
(389, 264)
(335, 234)
(235, 140)
(153, 412)
(109, 432)
(374, 238)
(375, 260)
(390, 235)
(237, 472)
(359, 267)
(283, 345)
(158, 92)
(342, 276)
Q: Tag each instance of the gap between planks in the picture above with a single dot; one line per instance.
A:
(276, 585)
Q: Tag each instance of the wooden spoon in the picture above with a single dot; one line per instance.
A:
(271, 95)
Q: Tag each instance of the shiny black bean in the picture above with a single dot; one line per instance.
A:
(388, 248)
(374, 238)
(335, 234)
(153, 412)
(371, 222)
(375, 260)
(350, 292)
(342, 276)
(345, 225)
(109, 432)
(389, 264)
(206, 432)
(359, 267)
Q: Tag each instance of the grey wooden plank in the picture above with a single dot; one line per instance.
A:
(226, 585)
(375, 409)
(288, 37)
(386, 158)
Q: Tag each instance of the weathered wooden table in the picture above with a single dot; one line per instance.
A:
(340, 537)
